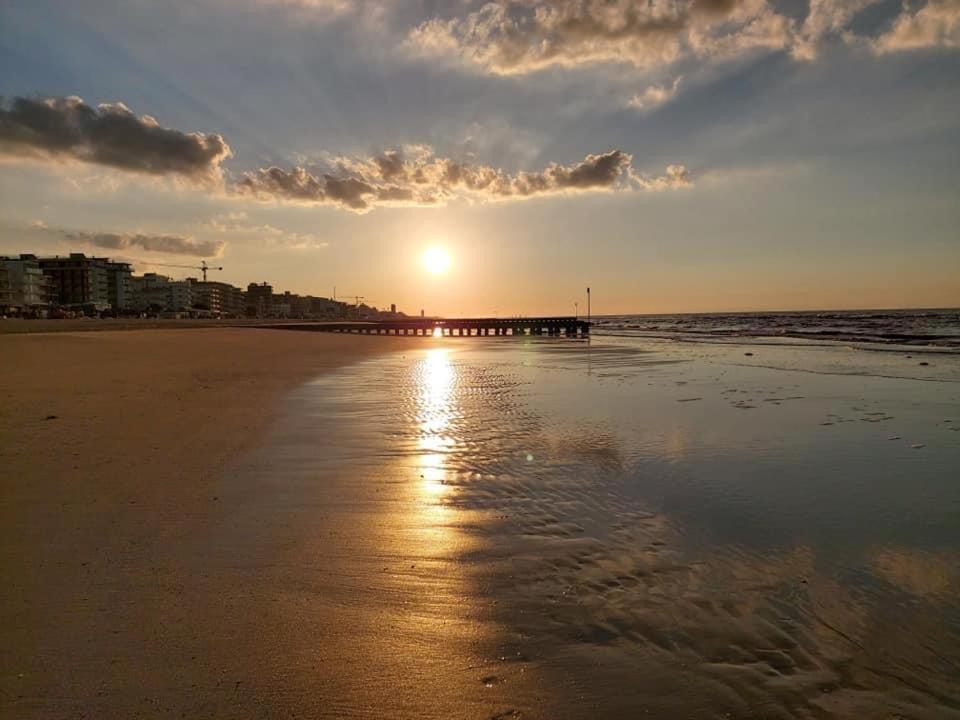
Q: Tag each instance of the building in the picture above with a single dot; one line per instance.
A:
(6, 302)
(158, 293)
(81, 280)
(259, 300)
(119, 285)
(221, 299)
(78, 280)
(27, 288)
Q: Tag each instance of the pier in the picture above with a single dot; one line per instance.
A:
(451, 327)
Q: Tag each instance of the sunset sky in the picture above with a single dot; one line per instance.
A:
(675, 156)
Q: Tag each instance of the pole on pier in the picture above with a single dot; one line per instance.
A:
(588, 304)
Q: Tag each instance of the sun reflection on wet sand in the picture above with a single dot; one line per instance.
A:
(435, 378)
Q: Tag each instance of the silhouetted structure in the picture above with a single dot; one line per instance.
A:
(259, 300)
(454, 327)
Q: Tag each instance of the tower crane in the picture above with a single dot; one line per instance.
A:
(202, 267)
(357, 300)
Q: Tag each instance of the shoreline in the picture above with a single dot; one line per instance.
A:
(112, 462)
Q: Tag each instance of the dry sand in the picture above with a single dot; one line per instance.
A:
(111, 446)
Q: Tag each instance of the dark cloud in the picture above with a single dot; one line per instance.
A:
(112, 135)
(421, 178)
(172, 244)
(109, 134)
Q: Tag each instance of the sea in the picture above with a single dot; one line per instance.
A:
(930, 329)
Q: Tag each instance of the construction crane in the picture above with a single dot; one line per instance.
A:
(202, 267)
(356, 298)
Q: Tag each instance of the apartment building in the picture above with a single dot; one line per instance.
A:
(78, 280)
(221, 299)
(155, 293)
(27, 288)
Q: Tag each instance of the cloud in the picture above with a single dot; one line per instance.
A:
(655, 95)
(415, 176)
(936, 24)
(677, 177)
(517, 37)
(172, 244)
(825, 18)
(66, 128)
(238, 224)
(510, 37)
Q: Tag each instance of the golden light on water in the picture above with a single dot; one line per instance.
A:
(438, 332)
(436, 260)
(435, 413)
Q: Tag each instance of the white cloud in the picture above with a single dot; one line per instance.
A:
(655, 95)
(936, 24)
(515, 37)
(826, 18)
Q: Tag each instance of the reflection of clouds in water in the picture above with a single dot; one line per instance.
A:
(922, 574)
(767, 627)
(675, 442)
(630, 590)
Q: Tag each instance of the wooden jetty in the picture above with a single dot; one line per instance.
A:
(450, 327)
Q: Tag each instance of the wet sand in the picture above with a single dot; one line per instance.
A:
(624, 531)
(114, 447)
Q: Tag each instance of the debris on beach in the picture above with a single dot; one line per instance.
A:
(491, 680)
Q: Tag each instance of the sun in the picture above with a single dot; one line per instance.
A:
(436, 261)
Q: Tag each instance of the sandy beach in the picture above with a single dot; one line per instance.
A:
(110, 464)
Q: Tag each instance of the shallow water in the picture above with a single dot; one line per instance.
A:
(911, 330)
(621, 527)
